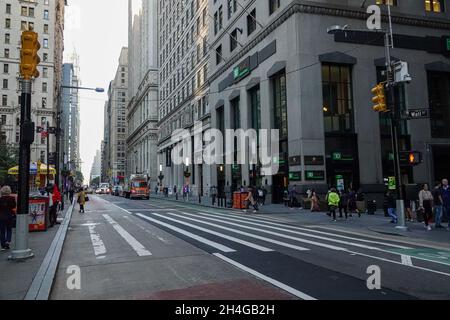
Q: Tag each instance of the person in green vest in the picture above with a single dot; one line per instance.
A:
(333, 202)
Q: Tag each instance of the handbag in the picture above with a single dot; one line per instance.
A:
(86, 198)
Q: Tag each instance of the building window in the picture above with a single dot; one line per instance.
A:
(280, 105)
(6, 68)
(8, 8)
(439, 95)
(233, 40)
(44, 103)
(4, 100)
(273, 6)
(6, 53)
(46, 16)
(232, 7)
(434, 5)
(7, 38)
(219, 54)
(44, 87)
(8, 23)
(45, 43)
(46, 28)
(388, 2)
(5, 83)
(251, 22)
(337, 99)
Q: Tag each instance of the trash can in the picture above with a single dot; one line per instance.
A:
(371, 207)
(239, 200)
(38, 213)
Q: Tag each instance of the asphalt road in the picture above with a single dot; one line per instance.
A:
(131, 249)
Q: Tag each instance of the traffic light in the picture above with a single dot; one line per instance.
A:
(410, 158)
(29, 58)
(379, 98)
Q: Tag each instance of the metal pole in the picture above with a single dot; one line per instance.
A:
(21, 250)
(48, 154)
(395, 126)
(58, 143)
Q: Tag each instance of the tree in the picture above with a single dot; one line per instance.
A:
(95, 181)
(9, 157)
(79, 177)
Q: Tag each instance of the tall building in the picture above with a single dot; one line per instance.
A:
(96, 170)
(70, 116)
(184, 28)
(47, 19)
(114, 159)
(273, 66)
(142, 109)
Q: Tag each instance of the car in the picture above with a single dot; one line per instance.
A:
(98, 191)
(105, 188)
(89, 191)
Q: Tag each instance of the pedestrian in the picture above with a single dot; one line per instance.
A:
(264, 196)
(213, 195)
(333, 202)
(343, 204)
(391, 207)
(315, 206)
(82, 200)
(71, 194)
(426, 205)
(7, 207)
(437, 203)
(250, 200)
(352, 202)
(260, 196)
(445, 196)
(55, 196)
(293, 201)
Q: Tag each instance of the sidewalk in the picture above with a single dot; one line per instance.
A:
(376, 224)
(16, 277)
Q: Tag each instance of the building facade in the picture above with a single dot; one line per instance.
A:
(96, 169)
(70, 118)
(115, 123)
(273, 66)
(47, 19)
(184, 57)
(142, 108)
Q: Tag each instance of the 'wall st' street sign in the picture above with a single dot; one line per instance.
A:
(413, 114)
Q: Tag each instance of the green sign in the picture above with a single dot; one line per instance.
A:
(239, 73)
(337, 156)
(295, 176)
(392, 183)
(433, 255)
(391, 156)
(315, 175)
(448, 44)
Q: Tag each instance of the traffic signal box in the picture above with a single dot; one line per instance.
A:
(29, 59)
(379, 99)
(410, 158)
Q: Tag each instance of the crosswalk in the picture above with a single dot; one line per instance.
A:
(221, 232)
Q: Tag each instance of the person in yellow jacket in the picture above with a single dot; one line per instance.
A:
(333, 202)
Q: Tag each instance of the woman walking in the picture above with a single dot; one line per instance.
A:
(315, 206)
(426, 205)
(250, 200)
(7, 207)
(81, 199)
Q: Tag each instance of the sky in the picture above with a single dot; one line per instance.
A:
(97, 30)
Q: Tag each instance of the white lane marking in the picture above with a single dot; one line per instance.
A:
(218, 234)
(189, 234)
(274, 282)
(300, 233)
(125, 210)
(147, 231)
(315, 243)
(97, 243)
(245, 219)
(406, 260)
(136, 245)
(250, 235)
(400, 263)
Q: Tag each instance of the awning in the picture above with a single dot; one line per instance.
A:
(33, 170)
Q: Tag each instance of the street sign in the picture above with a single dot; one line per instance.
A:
(392, 183)
(413, 114)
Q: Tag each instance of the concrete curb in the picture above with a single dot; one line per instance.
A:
(390, 231)
(43, 281)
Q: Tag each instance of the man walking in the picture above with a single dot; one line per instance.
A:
(445, 196)
(213, 195)
(333, 202)
(437, 203)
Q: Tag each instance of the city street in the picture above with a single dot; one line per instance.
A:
(158, 249)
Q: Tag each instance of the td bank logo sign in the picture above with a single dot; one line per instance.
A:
(374, 20)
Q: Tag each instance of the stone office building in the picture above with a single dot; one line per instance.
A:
(273, 65)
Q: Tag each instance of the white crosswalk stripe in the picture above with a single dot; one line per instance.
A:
(189, 234)
(221, 235)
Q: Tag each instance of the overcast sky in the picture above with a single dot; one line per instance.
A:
(97, 30)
